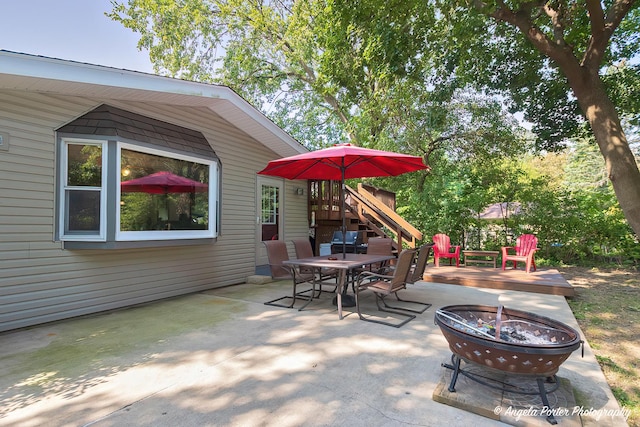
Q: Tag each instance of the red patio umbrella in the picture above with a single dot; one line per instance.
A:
(343, 161)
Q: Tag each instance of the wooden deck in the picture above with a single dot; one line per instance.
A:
(545, 281)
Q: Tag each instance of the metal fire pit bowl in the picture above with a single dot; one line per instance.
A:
(541, 360)
(533, 346)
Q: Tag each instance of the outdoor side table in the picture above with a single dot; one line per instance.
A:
(480, 257)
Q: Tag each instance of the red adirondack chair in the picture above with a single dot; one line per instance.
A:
(442, 249)
(525, 248)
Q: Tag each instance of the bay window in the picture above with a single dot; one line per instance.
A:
(116, 192)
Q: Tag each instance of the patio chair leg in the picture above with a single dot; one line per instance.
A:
(425, 305)
(294, 297)
(409, 317)
(401, 312)
(322, 283)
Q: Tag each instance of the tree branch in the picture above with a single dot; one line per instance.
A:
(560, 53)
(556, 21)
(602, 27)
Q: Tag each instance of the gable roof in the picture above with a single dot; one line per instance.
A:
(20, 71)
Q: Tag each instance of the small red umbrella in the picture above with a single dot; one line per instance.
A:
(163, 182)
(343, 161)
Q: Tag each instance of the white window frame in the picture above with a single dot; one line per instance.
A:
(211, 232)
(101, 236)
(110, 215)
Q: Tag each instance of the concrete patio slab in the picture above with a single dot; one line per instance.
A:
(223, 358)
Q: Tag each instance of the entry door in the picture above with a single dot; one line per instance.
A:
(269, 214)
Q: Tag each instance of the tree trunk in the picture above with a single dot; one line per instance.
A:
(620, 162)
(587, 87)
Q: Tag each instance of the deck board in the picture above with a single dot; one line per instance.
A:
(545, 281)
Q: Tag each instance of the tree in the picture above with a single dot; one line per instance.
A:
(325, 71)
(561, 62)
(292, 59)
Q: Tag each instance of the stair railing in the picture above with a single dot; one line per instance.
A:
(367, 204)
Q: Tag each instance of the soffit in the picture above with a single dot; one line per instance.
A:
(23, 72)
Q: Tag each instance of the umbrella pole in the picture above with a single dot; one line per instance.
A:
(344, 214)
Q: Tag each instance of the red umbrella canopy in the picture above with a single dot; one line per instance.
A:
(163, 182)
(355, 162)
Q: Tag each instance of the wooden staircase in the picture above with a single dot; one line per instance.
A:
(378, 219)
(367, 209)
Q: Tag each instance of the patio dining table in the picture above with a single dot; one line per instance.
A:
(343, 263)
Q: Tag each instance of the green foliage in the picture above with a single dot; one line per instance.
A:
(576, 216)
(325, 71)
(623, 85)
(437, 79)
(483, 50)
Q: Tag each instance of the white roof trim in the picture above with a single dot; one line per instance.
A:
(19, 71)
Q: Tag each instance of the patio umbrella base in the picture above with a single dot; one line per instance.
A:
(347, 300)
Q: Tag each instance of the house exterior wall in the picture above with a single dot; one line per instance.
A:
(42, 282)
(295, 214)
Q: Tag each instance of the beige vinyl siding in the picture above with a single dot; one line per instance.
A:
(295, 212)
(41, 282)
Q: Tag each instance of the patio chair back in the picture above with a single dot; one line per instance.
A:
(402, 270)
(525, 244)
(442, 243)
(303, 248)
(277, 253)
(380, 246)
(417, 270)
(442, 249)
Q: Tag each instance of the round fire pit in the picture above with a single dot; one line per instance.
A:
(509, 341)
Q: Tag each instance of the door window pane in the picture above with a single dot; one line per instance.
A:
(269, 204)
(269, 213)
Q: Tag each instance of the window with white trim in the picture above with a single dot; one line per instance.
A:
(164, 197)
(83, 183)
(120, 192)
(127, 180)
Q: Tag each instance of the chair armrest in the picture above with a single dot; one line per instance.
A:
(372, 275)
(386, 270)
(505, 250)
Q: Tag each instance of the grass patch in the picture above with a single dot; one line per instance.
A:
(607, 308)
